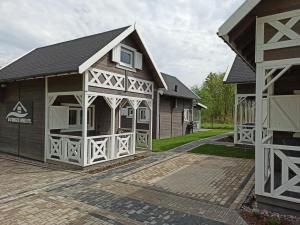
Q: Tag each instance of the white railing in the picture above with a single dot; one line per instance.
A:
(65, 148)
(140, 86)
(110, 80)
(100, 148)
(197, 125)
(246, 134)
(106, 79)
(142, 138)
(282, 177)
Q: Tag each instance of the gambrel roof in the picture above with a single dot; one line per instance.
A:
(239, 73)
(182, 90)
(71, 56)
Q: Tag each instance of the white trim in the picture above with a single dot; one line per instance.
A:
(129, 50)
(98, 55)
(143, 121)
(88, 63)
(14, 60)
(237, 16)
(201, 105)
(152, 60)
(46, 140)
(229, 69)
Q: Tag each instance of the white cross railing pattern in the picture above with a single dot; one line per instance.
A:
(246, 134)
(142, 138)
(106, 79)
(282, 177)
(65, 148)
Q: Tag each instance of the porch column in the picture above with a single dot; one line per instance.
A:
(235, 115)
(135, 104)
(150, 107)
(113, 102)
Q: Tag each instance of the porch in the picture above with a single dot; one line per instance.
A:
(244, 119)
(90, 127)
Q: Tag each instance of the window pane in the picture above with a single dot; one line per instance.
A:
(72, 117)
(126, 57)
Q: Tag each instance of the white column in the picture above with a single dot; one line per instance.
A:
(150, 104)
(134, 129)
(84, 106)
(46, 144)
(235, 115)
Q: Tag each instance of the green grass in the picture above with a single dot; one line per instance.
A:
(221, 150)
(169, 143)
(217, 126)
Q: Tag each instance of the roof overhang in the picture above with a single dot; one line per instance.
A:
(228, 70)
(98, 55)
(237, 17)
(200, 105)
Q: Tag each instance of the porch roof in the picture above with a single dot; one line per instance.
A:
(64, 57)
(239, 72)
(182, 90)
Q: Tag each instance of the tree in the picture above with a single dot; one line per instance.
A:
(218, 97)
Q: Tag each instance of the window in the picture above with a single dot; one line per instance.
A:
(126, 58)
(186, 115)
(129, 112)
(143, 115)
(75, 118)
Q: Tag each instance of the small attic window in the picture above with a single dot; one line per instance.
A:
(176, 88)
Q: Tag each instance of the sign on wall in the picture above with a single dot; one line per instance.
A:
(20, 112)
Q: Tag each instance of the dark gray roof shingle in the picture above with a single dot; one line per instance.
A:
(240, 73)
(58, 58)
(182, 90)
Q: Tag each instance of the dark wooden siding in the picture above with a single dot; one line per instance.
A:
(65, 83)
(246, 88)
(27, 139)
(172, 123)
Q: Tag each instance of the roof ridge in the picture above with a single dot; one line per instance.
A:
(75, 39)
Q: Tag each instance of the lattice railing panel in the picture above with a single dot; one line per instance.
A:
(124, 144)
(140, 86)
(98, 149)
(142, 138)
(106, 79)
(66, 149)
(246, 134)
(282, 172)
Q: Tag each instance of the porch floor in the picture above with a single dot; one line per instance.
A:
(164, 188)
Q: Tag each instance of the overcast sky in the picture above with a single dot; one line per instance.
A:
(181, 34)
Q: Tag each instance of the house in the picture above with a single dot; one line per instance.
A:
(63, 102)
(243, 78)
(265, 34)
(175, 109)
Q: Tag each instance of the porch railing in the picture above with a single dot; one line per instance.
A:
(143, 138)
(69, 149)
(246, 134)
(100, 148)
(282, 173)
(65, 148)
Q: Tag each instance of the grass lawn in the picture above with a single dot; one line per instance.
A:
(221, 150)
(169, 143)
(217, 126)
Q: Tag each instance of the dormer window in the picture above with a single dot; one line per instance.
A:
(176, 88)
(126, 58)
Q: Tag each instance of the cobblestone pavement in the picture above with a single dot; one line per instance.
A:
(165, 189)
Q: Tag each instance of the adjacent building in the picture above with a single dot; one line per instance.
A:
(265, 34)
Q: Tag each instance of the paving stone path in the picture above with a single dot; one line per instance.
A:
(165, 189)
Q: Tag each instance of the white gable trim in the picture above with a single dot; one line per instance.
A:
(237, 16)
(97, 56)
(152, 60)
(228, 70)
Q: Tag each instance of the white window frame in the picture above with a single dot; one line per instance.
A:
(186, 115)
(131, 53)
(78, 126)
(129, 115)
(147, 119)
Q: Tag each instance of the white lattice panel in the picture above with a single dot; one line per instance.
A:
(98, 151)
(140, 86)
(142, 138)
(106, 79)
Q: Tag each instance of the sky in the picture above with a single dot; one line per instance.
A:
(180, 34)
